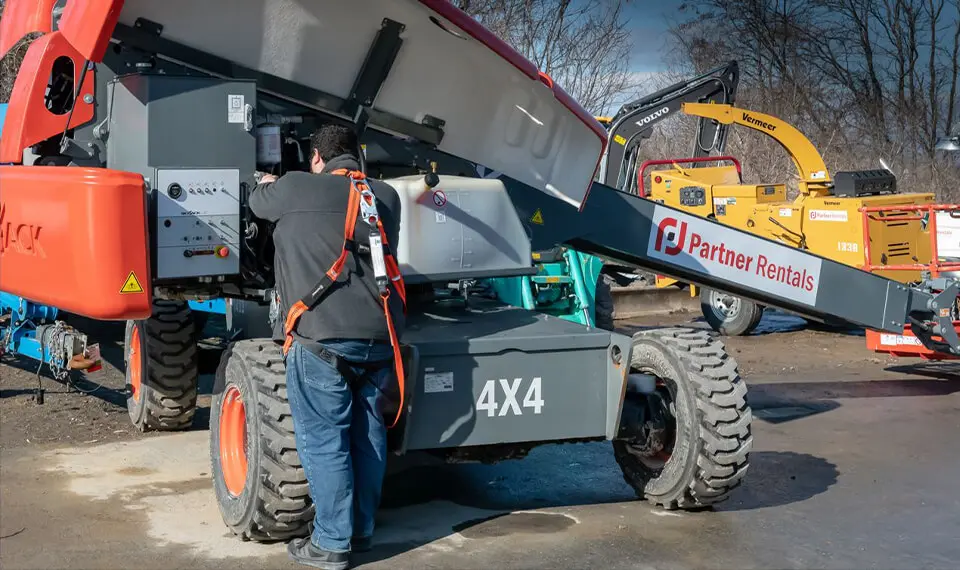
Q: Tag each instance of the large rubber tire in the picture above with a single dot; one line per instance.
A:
(162, 368)
(713, 438)
(745, 315)
(260, 486)
(603, 303)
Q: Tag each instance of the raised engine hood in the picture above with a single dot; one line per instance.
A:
(498, 110)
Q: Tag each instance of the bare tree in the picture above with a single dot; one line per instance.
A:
(583, 46)
(863, 79)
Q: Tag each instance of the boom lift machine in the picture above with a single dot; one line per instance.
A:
(146, 165)
(824, 218)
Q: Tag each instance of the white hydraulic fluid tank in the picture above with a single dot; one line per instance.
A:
(463, 228)
(269, 145)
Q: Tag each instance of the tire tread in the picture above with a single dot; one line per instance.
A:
(171, 368)
(724, 420)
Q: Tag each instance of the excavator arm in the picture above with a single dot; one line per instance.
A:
(814, 177)
(635, 121)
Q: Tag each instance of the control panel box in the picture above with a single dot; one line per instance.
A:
(193, 140)
(463, 228)
(198, 222)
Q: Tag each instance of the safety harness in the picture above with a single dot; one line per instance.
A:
(362, 204)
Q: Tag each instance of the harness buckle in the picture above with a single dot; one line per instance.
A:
(368, 208)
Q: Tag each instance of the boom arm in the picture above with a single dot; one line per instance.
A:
(814, 177)
(640, 233)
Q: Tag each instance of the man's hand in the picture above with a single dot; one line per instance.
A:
(267, 178)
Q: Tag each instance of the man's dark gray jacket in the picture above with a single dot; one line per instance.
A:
(309, 211)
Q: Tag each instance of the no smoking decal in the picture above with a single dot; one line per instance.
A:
(439, 198)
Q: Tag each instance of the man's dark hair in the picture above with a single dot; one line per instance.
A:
(334, 140)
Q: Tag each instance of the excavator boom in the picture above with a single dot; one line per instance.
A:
(635, 121)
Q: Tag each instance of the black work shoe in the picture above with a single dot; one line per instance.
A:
(303, 551)
(361, 543)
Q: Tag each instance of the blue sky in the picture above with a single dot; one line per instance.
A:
(649, 20)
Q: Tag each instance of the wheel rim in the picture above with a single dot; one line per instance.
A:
(726, 306)
(135, 364)
(233, 441)
(655, 452)
(657, 461)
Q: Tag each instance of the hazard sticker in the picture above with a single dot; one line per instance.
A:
(537, 217)
(439, 198)
(131, 285)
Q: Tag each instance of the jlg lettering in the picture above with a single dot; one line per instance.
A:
(22, 238)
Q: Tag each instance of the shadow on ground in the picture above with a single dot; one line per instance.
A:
(429, 503)
(779, 478)
(780, 402)
(772, 322)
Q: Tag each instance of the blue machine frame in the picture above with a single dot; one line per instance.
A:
(33, 331)
(215, 306)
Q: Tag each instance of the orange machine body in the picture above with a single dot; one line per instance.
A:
(71, 237)
(76, 238)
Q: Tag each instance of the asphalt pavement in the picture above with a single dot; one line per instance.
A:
(855, 466)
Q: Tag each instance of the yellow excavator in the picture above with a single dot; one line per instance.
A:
(824, 217)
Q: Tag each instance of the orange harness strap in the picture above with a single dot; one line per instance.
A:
(360, 202)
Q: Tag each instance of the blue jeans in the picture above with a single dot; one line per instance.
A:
(341, 438)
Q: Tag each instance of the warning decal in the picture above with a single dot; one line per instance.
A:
(439, 198)
(235, 108)
(537, 217)
(131, 285)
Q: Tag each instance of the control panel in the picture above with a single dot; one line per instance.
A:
(197, 222)
(693, 196)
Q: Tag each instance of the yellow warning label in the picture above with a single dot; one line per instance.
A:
(131, 285)
(619, 139)
(537, 217)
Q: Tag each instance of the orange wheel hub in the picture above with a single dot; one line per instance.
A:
(233, 441)
(135, 364)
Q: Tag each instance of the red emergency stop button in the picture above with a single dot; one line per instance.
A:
(223, 251)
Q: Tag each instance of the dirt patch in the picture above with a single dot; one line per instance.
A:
(85, 409)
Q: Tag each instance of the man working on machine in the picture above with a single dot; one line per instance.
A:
(340, 285)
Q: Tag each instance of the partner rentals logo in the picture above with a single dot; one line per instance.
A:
(716, 250)
(668, 230)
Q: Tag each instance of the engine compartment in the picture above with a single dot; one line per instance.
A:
(202, 143)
